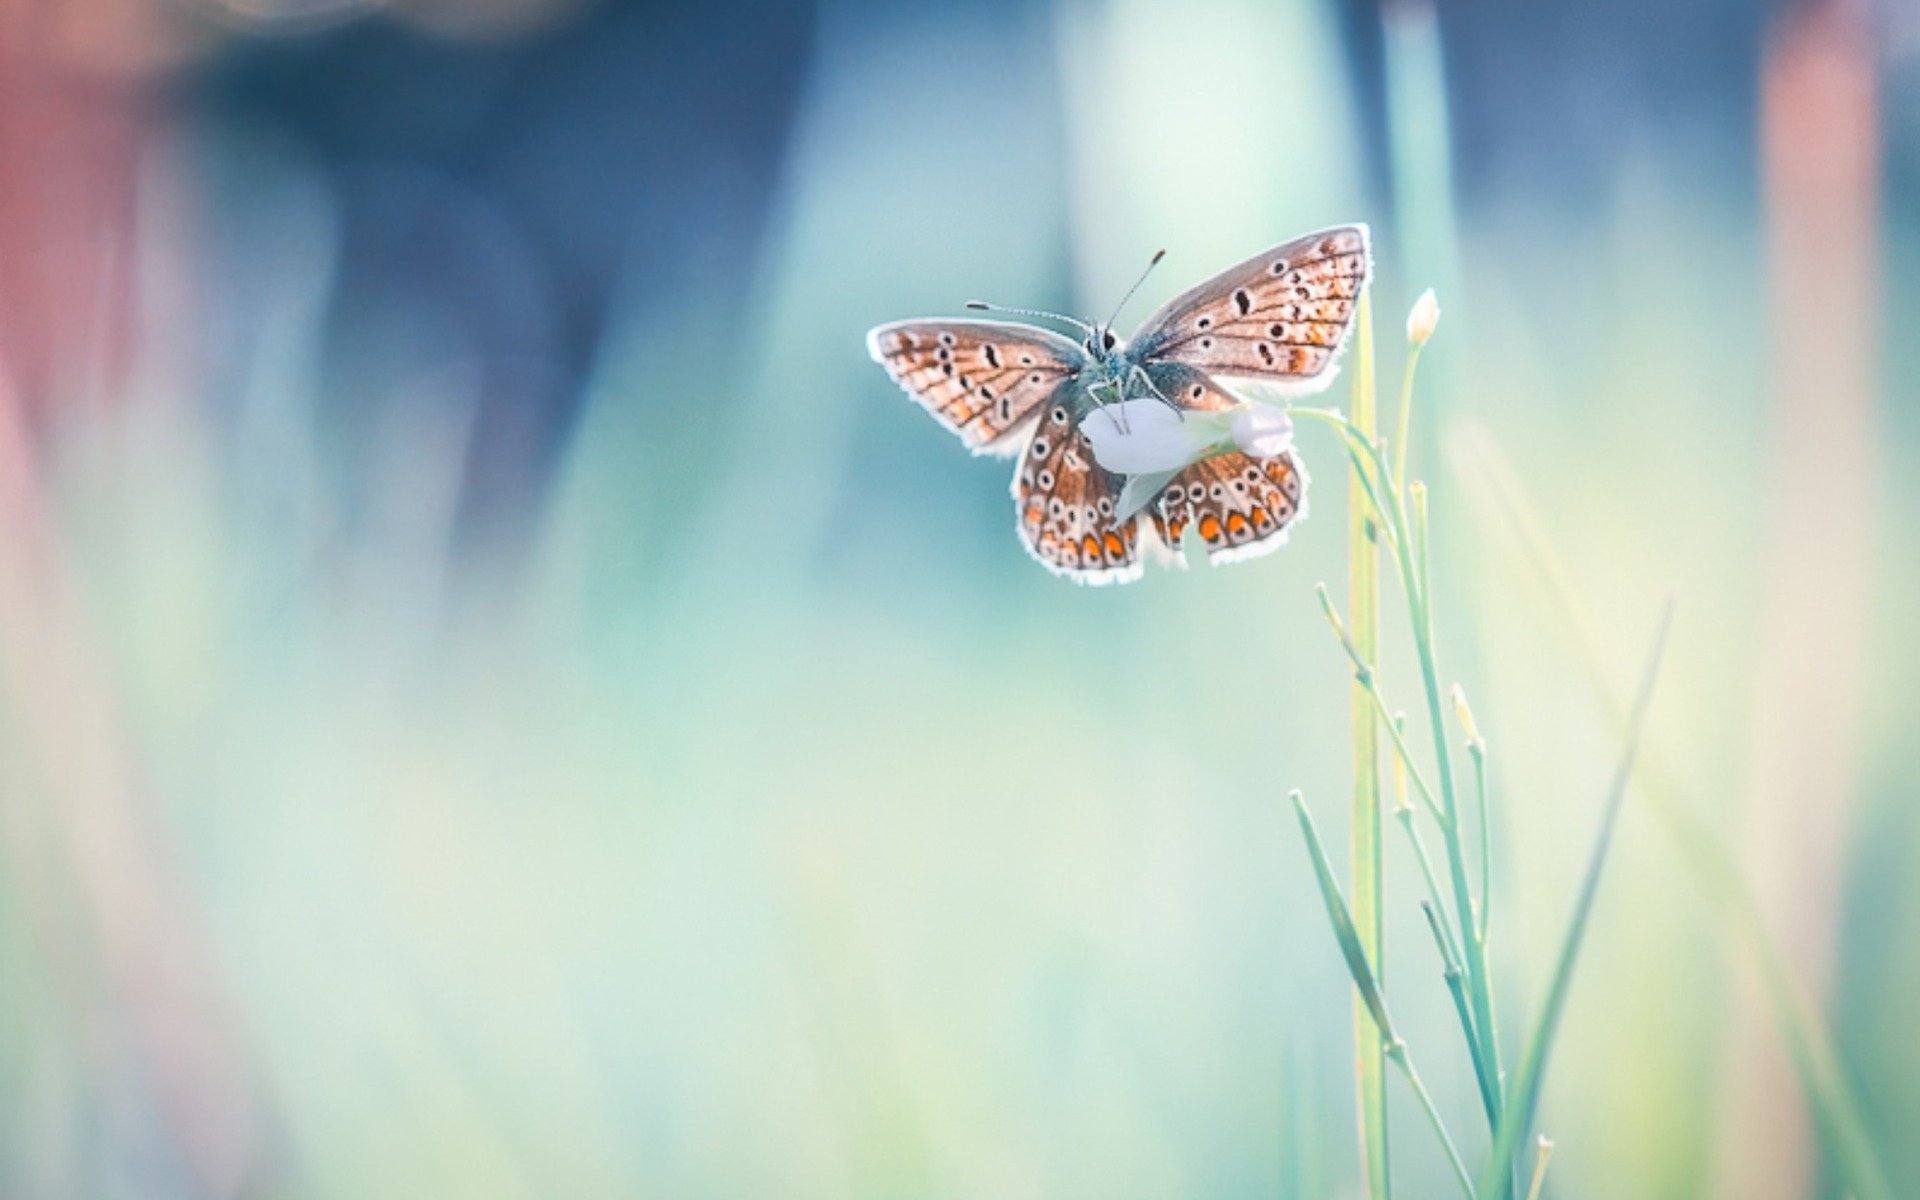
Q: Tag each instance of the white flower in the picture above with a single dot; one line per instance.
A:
(1140, 491)
(1420, 321)
(1141, 437)
(1150, 443)
(1262, 430)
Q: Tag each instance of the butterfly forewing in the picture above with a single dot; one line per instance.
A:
(1064, 504)
(982, 379)
(1189, 387)
(1280, 316)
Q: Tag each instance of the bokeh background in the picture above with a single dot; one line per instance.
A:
(499, 697)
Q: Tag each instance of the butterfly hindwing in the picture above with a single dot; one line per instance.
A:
(981, 379)
(1240, 506)
(1281, 316)
(1064, 503)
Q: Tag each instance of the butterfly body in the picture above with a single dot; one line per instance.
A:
(1111, 374)
(1007, 388)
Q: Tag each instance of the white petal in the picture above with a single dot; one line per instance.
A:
(1139, 437)
(1262, 430)
(1140, 492)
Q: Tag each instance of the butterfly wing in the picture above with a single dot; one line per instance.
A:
(981, 379)
(1241, 506)
(1065, 503)
(1279, 317)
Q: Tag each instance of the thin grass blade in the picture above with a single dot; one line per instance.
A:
(1824, 1082)
(1525, 1093)
(1373, 1003)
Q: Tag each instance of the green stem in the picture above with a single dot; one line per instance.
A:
(1406, 411)
(1373, 1000)
(1449, 948)
(1362, 474)
(1452, 975)
(1363, 598)
(1414, 584)
(1478, 750)
(1397, 1051)
(1479, 981)
(1363, 674)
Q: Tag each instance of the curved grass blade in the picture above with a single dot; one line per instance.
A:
(1525, 1094)
(1824, 1084)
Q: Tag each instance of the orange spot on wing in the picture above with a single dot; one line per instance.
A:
(1210, 528)
(1236, 525)
(1115, 547)
(1090, 547)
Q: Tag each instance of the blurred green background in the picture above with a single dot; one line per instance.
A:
(500, 697)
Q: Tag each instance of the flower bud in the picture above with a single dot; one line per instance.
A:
(1262, 430)
(1464, 715)
(1420, 321)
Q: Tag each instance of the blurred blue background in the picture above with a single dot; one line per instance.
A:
(499, 696)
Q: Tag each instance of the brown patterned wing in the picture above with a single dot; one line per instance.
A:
(1240, 505)
(981, 379)
(1065, 505)
(1281, 317)
(1189, 387)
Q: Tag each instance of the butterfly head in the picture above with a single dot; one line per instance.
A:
(1101, 343)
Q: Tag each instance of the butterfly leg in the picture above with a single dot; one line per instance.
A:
(1140, 376)
(1115, 392)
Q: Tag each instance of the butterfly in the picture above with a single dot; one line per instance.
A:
(1013, 389)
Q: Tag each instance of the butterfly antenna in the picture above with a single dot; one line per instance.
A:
(1154, 262)
(983, 306)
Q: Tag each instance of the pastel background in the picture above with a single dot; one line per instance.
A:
(499, 697)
